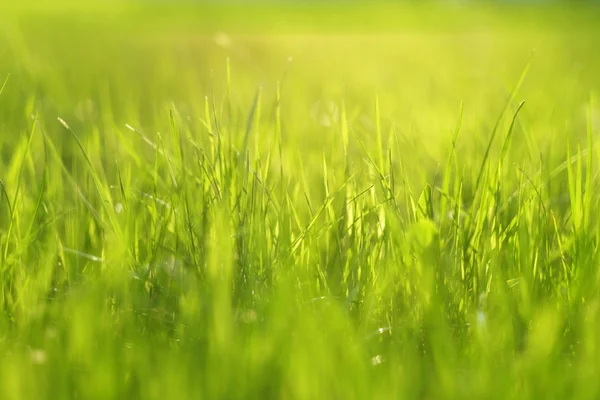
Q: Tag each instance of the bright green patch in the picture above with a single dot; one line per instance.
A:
(193, 205)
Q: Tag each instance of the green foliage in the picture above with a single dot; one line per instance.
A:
(186, 214)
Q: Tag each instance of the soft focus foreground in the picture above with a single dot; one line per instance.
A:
(302, 202)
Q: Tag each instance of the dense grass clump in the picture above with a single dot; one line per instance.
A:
(300, 210)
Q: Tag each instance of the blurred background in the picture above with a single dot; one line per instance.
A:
(421, 59)
(122, 76)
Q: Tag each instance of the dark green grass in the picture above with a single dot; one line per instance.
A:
(192, 213)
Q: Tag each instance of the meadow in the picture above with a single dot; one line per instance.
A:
(360, 201)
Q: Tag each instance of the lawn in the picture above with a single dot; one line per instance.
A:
(316, 201)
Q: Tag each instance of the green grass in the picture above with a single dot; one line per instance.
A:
(210, 203)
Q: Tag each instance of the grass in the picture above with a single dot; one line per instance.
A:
(251, 210)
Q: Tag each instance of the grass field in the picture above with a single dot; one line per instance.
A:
(299, 202)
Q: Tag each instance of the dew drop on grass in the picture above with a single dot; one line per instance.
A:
(325, 113)
(64, 123)
(376, 360)
(481, 318)
(223, 40)
(38, 356)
